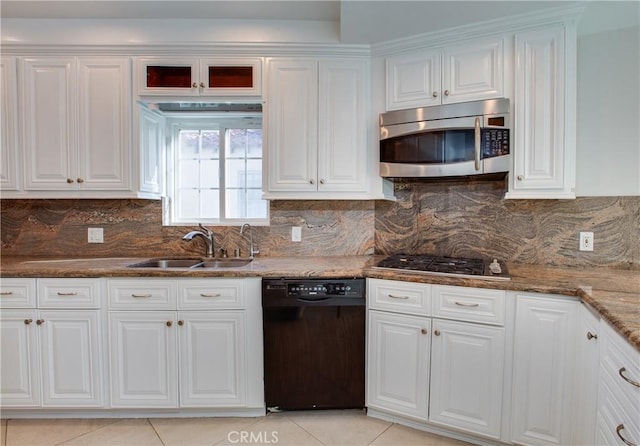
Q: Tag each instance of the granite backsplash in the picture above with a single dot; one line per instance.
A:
(450, 218)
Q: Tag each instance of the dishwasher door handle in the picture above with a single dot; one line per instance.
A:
(306, 299)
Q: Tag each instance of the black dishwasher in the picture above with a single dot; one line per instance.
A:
(314, 343)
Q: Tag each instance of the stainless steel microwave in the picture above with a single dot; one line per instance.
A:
(470, 138)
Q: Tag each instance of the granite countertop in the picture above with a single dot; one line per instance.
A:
(613, 293)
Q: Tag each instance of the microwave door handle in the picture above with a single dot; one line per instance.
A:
(477, 137)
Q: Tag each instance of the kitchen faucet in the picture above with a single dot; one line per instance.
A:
(252, 250)
(206, 234)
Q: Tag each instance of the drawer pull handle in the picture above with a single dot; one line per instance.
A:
(462, 304)
(630, 381)
(621, 428)
(398, 297)
(60, 293)
(6, 293)
(141, 295)
(591, 336)
(210, 294)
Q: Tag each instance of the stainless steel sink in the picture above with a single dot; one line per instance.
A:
(192, 263)
(167, 263)
(224, 263)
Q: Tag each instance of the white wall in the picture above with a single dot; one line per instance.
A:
(608, 113)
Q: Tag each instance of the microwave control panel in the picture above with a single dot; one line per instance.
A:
(495, 142)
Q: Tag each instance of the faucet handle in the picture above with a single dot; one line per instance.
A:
(206, 230)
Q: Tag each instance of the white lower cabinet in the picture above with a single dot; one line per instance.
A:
(543, 369)
(467, 368)
(52, 357)
(168, 358)
(398, 364)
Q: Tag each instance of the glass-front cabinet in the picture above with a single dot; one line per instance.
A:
(199, 77)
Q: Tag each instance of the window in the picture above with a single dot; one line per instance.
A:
(215, 170)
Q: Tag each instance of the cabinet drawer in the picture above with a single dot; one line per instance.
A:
(403, 297)
(469, 304)
(620, 363)
(18, 293)
(68, 293)
(147, 294)
(211, 294)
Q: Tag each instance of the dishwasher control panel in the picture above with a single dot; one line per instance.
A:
(315, 287)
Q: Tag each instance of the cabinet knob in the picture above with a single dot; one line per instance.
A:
(194, 85)
(520, 178)
(40, 321)
(69, 180)
(80, 180)
(434, 94)
(446, 92)
(424, 331)
(181, 323)
(591, 336)
(321, 181)
(312, 181)
(169, 323)
(436, 332)
(27, 321)
(202, 85)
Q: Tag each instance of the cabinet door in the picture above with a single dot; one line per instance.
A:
(398, 364)
(342, 132)
(212, 358)
(9, 161)
(543, 366)
(167, 77)
(71, 365)
(231, 77)
(473, 71)
(292, 125)
(19, 364)
(587, 361)
(143, 359)
(104, 155)
(151, 137)
(413, 80)
(48, 91)
(544, 150)
(467, 367)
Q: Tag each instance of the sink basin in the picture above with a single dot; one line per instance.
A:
(192, 263)
(167, 263)
(223, 263)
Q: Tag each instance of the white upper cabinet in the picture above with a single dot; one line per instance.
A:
(316, 129)
(151, 125)
(198, 77)
(9, 172)
(76, 121)
(544, 149)
(464, 72)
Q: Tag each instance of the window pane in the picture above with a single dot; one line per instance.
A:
(189, 174)
(188, 143)
(209, 174)
(235, 173)
(188, 204)
(237, 143)
(254, 142)
(211, 144)
(256, 206)
(210, 203)
(254, 173)
(236, 203)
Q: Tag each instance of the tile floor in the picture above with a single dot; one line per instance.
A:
(351, 427)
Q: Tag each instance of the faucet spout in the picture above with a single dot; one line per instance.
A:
(206, 234)
(253, 251)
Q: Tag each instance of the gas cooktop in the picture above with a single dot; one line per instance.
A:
(449, 266)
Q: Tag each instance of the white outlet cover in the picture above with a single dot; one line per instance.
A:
(296, 233)
(586, 241)
(95, 235)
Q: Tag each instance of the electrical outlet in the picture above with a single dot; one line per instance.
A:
(95, 235)
(586, 241)
(296, 233)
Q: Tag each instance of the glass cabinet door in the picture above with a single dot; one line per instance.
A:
(232, 77)
(174, 77)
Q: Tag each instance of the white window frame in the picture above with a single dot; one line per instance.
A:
(194, 121)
